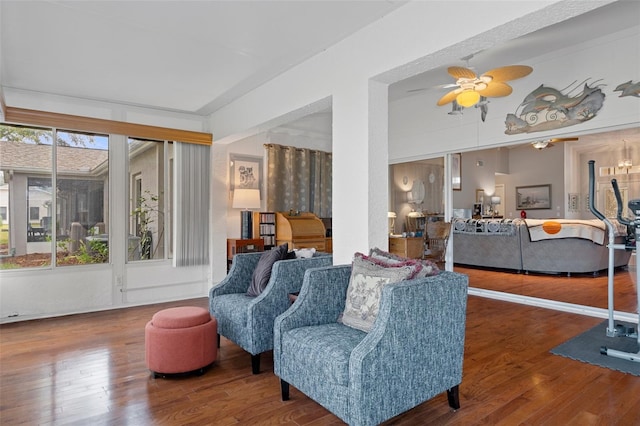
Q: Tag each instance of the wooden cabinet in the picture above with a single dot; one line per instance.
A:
(304, 230)
(237, 245)
(409, 247)
(264, 226)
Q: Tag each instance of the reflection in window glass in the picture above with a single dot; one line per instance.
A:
(147, 218)
(82, 198)
(25, 197)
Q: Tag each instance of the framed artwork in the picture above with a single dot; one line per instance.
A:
(245, 172)
(534, 197)
(456, 171)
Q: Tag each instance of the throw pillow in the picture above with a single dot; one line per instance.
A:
(305, 253)
(365, 290)
(262, 273)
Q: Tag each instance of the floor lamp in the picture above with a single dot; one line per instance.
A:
(246, 199)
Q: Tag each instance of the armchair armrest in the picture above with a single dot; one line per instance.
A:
(239, 277)
(286, 277)
(418, 336)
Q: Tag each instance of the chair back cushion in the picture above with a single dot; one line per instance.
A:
(262, 273)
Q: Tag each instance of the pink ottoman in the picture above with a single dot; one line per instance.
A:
(180, 340)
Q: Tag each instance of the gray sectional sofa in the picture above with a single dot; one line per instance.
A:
(507, 244)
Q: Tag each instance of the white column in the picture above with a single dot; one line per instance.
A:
(360, 168)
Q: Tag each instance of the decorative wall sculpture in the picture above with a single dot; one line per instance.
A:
(628, 89)
(547, 108)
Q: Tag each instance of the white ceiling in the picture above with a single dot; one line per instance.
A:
(188, 56)
(197, 56)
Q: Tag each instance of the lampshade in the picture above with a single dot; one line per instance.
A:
(495, 200)
(246, 198)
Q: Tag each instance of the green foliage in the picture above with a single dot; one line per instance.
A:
(147, 204)
(43, 136)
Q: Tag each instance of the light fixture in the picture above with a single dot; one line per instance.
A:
(246, 199)
(626, 162)
(455, 109)
(495, 200)
(468, 98)
(540, 144)
(392, 221)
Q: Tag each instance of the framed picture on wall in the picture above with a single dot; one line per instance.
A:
(456, 171)
(534, 197)
(245, 172)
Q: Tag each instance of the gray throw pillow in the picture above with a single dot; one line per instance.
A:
(262, 273)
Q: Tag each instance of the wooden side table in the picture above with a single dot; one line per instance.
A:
(239, 245)
(409, 247)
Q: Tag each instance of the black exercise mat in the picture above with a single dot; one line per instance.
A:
(586, 348)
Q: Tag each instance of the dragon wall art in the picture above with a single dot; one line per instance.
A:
(547, 108)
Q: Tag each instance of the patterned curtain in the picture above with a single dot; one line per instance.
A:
(298, 179)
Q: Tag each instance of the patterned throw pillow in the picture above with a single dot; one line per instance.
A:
(262, 273)
(365, 290)
(383, 258)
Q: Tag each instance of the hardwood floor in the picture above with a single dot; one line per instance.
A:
(580, 289)
(89, 369)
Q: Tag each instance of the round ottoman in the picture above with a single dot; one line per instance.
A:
(180, 340)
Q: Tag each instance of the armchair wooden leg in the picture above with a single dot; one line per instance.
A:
(284, 388)
(453, 395)
(255, 364)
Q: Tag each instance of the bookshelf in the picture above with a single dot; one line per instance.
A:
(264, 226)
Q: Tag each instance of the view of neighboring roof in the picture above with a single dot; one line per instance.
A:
(20, 156)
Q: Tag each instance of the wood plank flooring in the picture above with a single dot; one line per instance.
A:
(89, 369)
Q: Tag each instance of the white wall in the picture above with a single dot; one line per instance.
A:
(413, 34)
(608, 61)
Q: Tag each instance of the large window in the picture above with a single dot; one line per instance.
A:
(74, 223)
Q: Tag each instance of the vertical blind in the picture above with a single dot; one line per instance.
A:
(191, 224)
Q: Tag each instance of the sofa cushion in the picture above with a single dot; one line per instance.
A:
(262, 273)
(332, 361)
(365, 290)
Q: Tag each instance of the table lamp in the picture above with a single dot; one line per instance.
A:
(246, 199)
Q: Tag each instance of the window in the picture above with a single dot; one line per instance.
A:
(148, 219)
(3, 213)
(26, 155)
(82, 172)
(34, 213)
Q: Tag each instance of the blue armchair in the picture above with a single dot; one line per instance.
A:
(248, 321)
(413, 352)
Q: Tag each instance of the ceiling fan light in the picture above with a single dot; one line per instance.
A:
(468, 98)
(540, 144)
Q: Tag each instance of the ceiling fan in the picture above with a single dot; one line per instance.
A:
(548, 143)
(469, 87)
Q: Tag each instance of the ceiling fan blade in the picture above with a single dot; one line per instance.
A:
(562, 139)
(496, 90)
(510, 72)
(461, 72)
(449, 97)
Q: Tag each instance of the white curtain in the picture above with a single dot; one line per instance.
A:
(192, 164)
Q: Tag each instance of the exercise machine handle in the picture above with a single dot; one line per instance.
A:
(616, 191)
(592, 191)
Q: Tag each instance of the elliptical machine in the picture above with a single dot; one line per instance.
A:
(632, 244)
